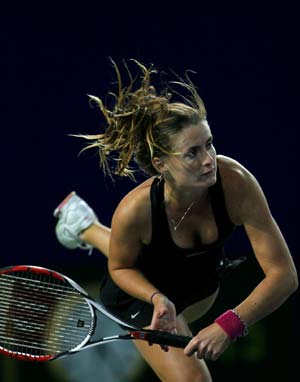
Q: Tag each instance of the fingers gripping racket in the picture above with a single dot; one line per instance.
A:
(45, 315)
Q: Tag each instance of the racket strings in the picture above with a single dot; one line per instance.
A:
(53, 285)
(47, 305)
(17, 326)
(40, 314)
(24, 297)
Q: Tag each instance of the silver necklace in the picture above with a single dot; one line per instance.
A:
(176, 225)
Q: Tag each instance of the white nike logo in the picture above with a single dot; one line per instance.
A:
(134, 315)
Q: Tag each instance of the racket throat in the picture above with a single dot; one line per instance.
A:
(101, 341)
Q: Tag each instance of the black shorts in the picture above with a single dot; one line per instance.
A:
(139, 313)
(127, 308)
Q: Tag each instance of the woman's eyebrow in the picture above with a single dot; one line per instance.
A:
(209, 139)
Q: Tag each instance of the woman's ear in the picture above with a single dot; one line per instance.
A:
(159, 165)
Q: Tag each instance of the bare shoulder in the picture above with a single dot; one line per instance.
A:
(134, 210)
(241, 190)
(231, 170)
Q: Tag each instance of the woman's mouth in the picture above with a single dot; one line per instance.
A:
(208, 172)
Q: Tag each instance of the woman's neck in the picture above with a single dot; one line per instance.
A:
(182, 197)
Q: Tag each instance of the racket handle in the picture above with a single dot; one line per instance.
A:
(162, 338)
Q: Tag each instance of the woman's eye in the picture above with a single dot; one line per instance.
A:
(190, 155)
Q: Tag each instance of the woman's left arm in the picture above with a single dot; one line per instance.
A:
(271, 252)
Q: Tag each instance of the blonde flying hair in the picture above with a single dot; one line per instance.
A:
(141, 122)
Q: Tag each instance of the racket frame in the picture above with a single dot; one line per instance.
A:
(135, 333)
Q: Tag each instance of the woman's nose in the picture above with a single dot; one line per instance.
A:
(208, 158)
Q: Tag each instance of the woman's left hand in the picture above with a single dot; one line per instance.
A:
(209, 343)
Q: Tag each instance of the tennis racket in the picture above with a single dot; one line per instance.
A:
(45, 315)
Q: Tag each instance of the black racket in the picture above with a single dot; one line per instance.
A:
(45, 315)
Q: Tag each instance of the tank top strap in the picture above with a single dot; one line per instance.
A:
(159, 219)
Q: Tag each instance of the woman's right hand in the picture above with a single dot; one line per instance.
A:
(164, 314)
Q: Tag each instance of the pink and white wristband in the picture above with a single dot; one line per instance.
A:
(232, 324)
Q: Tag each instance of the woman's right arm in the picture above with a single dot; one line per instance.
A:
(124, 249)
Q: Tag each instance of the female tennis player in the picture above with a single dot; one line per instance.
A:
(165, 245)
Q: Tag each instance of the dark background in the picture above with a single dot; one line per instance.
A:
(248, 76)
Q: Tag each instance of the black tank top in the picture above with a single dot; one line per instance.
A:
(185, 276)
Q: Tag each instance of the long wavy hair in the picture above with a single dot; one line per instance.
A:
(140, 122)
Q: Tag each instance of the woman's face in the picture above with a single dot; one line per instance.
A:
(193, 163)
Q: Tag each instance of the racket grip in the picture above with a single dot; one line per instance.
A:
(162, 338)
